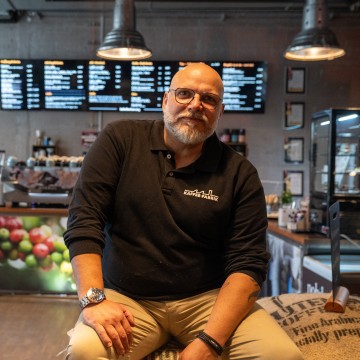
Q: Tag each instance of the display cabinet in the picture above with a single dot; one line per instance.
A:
(335, 169)
(33, 254)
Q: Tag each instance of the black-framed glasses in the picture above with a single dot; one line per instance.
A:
(185, 96)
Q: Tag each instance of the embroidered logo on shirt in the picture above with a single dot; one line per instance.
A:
(202, 194)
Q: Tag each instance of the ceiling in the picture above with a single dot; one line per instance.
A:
(12, 10)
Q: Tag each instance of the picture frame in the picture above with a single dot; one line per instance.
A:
(294, 115)
(295, 80)
(294, 150)
(295, 181)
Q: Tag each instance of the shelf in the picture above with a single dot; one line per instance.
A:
(47, 149)
(235, 143)
(343, 155)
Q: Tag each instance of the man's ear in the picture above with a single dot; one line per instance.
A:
(165, 99)
(222, 110)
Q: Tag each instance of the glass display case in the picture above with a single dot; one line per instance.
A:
(33, 255)
(335, 169)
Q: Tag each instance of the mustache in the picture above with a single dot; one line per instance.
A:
(196, 116)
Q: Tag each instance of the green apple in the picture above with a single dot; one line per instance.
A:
(47, 230)
(46, 263)
(13, 254)
(31, 261)
(57, 258)
(66, 255)
(4, 234)
(25, 246)
(59, 246)
(6, 246)
(66, 268)
(30, 222)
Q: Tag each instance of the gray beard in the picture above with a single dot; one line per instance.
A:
(186, 134)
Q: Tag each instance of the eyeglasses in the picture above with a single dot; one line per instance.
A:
(185, 96)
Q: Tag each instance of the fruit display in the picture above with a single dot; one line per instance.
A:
(35, 243)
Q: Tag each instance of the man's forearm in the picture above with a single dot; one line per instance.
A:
(236, 298)
(87, 272)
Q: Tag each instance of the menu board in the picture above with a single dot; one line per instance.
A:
(65, 85)
(122, 86)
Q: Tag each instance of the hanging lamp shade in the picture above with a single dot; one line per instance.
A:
(123, 42)
(315, 41)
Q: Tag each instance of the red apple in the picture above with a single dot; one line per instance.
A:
(22, 256)
(13, 223)
(40, 250)
(17, 235)
(49, 241)
(37, 235)
(2, 221)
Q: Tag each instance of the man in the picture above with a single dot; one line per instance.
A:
(172, 223)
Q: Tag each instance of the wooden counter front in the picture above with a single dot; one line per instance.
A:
(20, 211)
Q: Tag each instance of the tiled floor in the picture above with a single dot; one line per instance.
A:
(34, 327)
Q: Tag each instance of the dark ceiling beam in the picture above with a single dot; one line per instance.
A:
(146, 8)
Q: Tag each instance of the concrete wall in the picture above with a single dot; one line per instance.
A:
(190, 37)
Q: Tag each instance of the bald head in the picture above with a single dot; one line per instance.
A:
(202, 74)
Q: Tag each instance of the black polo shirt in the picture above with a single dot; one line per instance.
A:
(167, 233)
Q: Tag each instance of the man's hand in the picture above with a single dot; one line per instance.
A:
(198, 350)
(112, 322)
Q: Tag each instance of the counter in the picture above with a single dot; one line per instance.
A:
(23, 268)
(298, 237)
(289, 264)
(311, 242)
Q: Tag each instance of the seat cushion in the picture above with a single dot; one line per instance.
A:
(319, 334)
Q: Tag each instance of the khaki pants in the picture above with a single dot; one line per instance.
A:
(257, 337)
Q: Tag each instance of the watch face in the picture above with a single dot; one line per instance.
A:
(95, 295)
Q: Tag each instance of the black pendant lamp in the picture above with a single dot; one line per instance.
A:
(123, 42)
(315, 41)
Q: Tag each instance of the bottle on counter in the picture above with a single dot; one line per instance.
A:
(225, 136)
(38, 138)
(234, 135)
(242, 136)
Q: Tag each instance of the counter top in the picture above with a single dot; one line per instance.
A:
(312, 243)
(298, 237)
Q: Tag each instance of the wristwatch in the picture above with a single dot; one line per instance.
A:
(93, 296)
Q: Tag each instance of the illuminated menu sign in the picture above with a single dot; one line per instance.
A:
(64, 85)
(13, 96)
(244, 86)
(123, 86)
(108, 85)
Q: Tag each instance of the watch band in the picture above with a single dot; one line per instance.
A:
(93, 296)
(84, 302)
(209, 341)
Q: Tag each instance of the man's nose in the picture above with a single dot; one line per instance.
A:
(196, 101)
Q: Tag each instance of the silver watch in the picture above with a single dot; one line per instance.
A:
(93, 296)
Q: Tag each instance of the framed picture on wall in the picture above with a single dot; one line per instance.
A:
(294, 115)
(294, 150)
(295, 80)
(295, 181)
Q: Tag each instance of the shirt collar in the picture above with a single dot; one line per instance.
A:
(210, 157)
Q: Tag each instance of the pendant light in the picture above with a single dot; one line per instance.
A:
(123, 42)
(315, 41)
